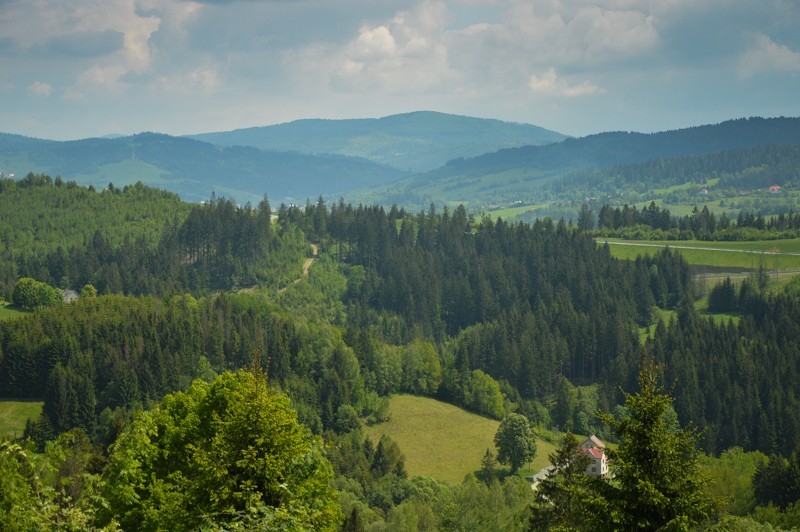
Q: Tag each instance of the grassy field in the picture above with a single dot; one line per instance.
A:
(6, 313)
(772, 254)
(442, 441)
(14, 414)
(509, 214)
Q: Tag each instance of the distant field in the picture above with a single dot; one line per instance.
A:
(442, 441)
(509, 214)
(7, 313)
(772, 254)
(14, 414)
(126, 173)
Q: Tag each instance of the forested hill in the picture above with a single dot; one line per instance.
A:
(532, 319)
(741, 169)
(192, 168)
(416, 142)
(509, 173)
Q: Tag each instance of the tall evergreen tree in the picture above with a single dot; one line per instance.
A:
(657, 482)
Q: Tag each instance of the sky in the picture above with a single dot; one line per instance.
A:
(73, 69)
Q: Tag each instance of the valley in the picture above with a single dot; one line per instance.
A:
(393, 341)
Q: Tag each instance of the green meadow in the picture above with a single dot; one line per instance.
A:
(442, 441)
(771, 254)
(7, 312)
(14, 414)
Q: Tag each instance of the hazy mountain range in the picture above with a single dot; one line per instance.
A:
(412, 142)
(412, 158)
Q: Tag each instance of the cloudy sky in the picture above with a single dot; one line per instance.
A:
(78, 68)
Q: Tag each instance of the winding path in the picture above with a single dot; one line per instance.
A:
(306, 266)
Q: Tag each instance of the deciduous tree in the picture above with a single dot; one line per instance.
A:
(515, 441)
(227, 452)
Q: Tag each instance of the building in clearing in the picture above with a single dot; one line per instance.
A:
(594, 448)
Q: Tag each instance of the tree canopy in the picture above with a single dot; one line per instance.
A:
(515, 441)
(230, 451)
(656, 483)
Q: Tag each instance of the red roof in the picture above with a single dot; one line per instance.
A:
(596, 453)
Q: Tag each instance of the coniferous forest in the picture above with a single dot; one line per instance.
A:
(194, 323)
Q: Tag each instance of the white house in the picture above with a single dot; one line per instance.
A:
(594, 448)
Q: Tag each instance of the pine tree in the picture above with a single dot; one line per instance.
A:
(559, 494)
(657, 482)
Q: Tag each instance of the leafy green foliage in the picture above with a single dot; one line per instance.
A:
(731, 479)
(777, 481)
(515, 441)
(56, 490)
(30, 294)
(217, 453)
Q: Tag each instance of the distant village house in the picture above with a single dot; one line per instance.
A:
(594, 448)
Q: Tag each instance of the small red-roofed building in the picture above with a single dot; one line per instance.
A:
(594, 448)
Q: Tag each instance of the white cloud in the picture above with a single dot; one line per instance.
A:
(374, 43)
(40, 88)
(550, 84)
(406, 54)
(99, 78)
(768, 56)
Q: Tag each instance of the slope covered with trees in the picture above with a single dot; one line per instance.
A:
(415, 142)
(597, 163)
(500, 318)
(194, 169)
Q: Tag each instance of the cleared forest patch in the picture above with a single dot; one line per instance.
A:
(771, 254)
(442, 441)
(14, 414)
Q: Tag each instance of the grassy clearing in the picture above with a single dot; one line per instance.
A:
(772, 254)
(442, 441)
(509, 214)
(14, 414)
(7, 313)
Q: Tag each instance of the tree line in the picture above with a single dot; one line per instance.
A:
(656, 223)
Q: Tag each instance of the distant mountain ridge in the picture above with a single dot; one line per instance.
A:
(192, 168)
(509, 172)
(413, 142)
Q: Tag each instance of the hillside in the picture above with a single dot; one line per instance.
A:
(443, 441)
(517, 173)
(414, 142)
(537, 318)
(192, 168)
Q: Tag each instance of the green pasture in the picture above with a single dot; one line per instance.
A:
(771, 254)
(510, 214)
(14, 414)
(126, 173)
(709, 183)
(442, 441)
(7, 312)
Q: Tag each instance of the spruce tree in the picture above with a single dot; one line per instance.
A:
(657, 483)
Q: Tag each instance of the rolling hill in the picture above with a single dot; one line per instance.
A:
(192, 168)
(362, 160)
(413, 142)
(510, 173)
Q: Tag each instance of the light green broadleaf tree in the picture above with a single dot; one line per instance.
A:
(229, 454)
